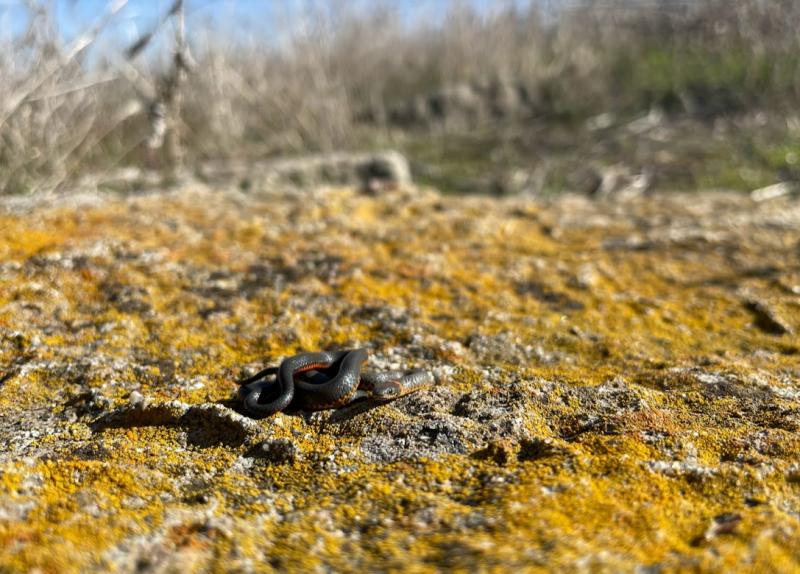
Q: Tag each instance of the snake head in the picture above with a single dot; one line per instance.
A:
(386, 392)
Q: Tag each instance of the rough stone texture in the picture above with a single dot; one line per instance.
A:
(389, 169)
(605, 399)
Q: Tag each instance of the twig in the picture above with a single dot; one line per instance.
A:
(77, 46)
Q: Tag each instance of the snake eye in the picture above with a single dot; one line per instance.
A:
(387, 392)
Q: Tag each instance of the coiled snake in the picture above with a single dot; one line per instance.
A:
(326, 380)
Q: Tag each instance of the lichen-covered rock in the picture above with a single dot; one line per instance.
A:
(369, 171)
(281, 450)
(612, 393)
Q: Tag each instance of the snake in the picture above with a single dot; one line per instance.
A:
(326, 380)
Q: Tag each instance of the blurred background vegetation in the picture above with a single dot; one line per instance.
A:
(502, 97)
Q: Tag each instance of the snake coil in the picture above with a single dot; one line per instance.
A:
(325, 380)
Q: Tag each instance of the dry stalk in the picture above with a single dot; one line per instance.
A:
(60, 118)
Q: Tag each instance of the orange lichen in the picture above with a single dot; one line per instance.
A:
(173, 296)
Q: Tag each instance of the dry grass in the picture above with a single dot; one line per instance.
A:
(60, 117)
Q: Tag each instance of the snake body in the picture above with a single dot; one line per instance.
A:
(326, 380)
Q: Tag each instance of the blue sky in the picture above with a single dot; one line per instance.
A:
(248, 16)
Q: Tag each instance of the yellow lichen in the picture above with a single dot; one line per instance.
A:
(151, 299)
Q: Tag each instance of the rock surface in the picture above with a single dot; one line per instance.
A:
(605, 400)
(371, 172)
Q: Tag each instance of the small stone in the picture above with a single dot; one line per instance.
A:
(587, 277)
(724, 523)
(136, 399)
(766, 318)
(771, 192)
(501, 451)
(386, 169)
(536, 448)
(793, 474)
(279, 451)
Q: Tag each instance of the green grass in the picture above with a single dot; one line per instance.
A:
(724, 79)
(693, 157)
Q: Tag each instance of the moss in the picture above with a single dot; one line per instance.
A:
(607, 485)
